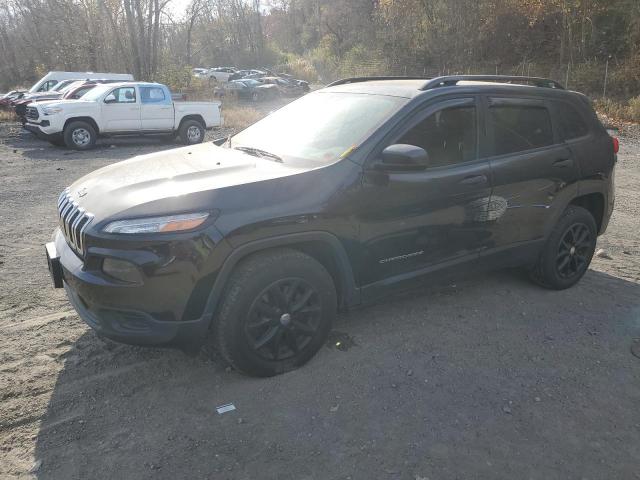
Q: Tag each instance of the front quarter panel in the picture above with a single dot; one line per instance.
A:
(316, 200)
(70, 111)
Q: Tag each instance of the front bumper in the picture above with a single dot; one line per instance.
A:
(45, 125)
(159, 310)
(42, 129)
(138, 328)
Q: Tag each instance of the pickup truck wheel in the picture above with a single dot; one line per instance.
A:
(191, 132)
(568, 251)
(277, 313)
(79, 135)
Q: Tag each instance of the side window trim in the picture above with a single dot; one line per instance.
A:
(421, 113)
(502, 101)
(496, 101)
(555, 124)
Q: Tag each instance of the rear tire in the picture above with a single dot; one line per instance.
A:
(566, 256)
(80, 135)
(277, 312)
(191, 132)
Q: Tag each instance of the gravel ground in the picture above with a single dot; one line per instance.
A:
(488, 377)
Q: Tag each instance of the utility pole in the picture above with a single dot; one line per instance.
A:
(606, 75)
(259, 40)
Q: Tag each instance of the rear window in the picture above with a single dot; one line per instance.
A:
(571, 122)
(518, 128)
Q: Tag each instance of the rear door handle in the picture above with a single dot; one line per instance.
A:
(474, 180)
(564, 163)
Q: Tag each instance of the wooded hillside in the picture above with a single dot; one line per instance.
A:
(570, 40)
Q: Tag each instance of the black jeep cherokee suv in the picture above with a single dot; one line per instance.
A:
(328, 203)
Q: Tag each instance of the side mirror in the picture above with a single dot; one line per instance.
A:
(402, 157)
(111, 98)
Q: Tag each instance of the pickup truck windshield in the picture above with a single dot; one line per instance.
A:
(320, 127)
(97, 92)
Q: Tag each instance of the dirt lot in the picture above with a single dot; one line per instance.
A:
(488, 377)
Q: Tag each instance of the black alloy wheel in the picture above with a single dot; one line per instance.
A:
(574, 253)
(283, 319)
(568, 250)
(276, 312)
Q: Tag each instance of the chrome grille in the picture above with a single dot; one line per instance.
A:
(74, 220)
(32, 113)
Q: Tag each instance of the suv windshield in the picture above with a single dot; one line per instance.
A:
(320, 127)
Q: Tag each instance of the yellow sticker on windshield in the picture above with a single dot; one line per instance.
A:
(348, 151)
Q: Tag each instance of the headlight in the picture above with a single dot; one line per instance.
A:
(51, 110)
(170, 223)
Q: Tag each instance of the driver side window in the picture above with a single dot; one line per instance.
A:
(449, 136)
(122, 95)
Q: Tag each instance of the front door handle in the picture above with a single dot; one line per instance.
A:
(474, 180)
(564, 163)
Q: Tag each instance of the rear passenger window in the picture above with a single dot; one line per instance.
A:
(152, 95)
(572, 123)
(520, 127)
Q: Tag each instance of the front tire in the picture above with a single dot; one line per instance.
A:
(568, 251)
(191, 132)
(80, 136)
(277, 312)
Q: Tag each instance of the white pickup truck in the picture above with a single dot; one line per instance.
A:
(128, 108)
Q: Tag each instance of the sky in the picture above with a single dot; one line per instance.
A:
(177, 8)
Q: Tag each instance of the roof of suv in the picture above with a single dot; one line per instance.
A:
(411, 87)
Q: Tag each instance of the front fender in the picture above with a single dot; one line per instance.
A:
(350, 292)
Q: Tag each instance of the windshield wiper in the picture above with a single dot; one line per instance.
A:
(256, 152)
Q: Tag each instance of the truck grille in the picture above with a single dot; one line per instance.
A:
(32, 113)
(73, 221)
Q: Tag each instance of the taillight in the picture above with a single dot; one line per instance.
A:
(616, 144)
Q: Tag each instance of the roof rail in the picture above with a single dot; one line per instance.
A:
(452, 80)
(345, 81)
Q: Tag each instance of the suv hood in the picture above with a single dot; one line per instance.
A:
(167, 177)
